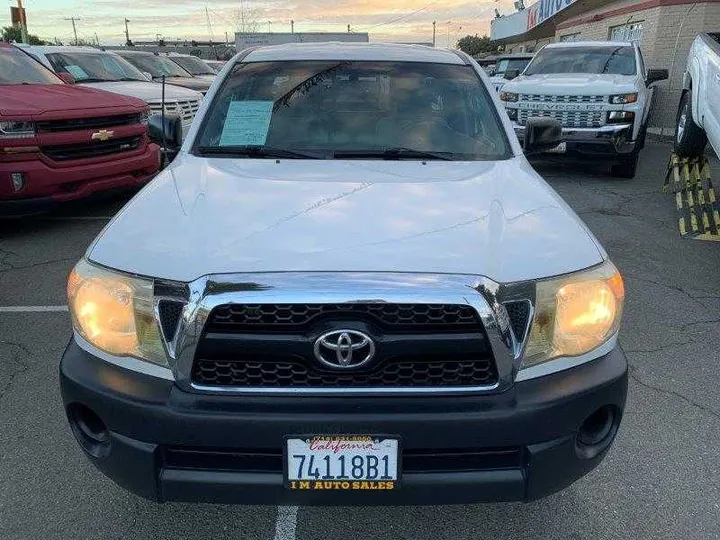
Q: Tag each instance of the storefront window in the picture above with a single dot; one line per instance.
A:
(627, 32)
(571, 37)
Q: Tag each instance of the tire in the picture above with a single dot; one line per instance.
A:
(690, 139)
(626, 168)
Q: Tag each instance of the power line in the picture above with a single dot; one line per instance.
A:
(400, 18)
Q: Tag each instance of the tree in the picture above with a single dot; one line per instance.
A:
(474, 45)
(12, 33)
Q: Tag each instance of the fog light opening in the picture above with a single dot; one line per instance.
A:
(90, 431)
(597, 432)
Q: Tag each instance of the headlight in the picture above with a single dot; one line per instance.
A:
(114, 312)
(144, 117)
(508, 96)
(575, 314)
(16, 130)
(623, 99)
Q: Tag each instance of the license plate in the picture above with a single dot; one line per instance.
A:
(559, 149)
(342, 462)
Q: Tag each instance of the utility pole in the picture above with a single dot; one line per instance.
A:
(292, 27)
(23, 22)
(269, 27)
(97, 40)
(348, 28)
(73, 19)
(127, 34)
(434, 29)
(226, 38)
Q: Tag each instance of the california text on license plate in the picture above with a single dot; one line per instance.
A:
(342, 462)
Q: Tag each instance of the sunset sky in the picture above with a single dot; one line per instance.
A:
(385, 20)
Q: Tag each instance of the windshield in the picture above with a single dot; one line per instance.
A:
(16, 67)
(511, 63)
(157, 66)
(193, 65)
(595, 60)
(94, 67)
(357, 110)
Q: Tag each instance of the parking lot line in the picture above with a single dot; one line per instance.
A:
(32, 309)
(286, 522)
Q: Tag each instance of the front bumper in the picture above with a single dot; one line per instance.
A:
(166, 444)
(606, 141)
(47, 185)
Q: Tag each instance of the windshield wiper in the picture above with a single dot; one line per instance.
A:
(397, 153)
(92, 80)
(257, 152)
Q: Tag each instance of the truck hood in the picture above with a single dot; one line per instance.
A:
(574, 84)
(208, 216)
(32, 100)
(147, 91)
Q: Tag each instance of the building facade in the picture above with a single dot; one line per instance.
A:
(663, 28)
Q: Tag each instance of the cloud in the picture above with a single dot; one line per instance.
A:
(399, 20)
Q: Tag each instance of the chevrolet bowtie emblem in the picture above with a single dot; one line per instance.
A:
(102, 135)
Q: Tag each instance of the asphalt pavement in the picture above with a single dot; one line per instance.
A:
(661, 480)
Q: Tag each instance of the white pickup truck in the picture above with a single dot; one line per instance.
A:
(698, 118)
(598, 90)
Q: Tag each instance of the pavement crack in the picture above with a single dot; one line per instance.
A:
(35, 265)
(677, 288)
(22, 366)
(658, 349)
(634, 376)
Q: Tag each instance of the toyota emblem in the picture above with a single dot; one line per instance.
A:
(344, 349)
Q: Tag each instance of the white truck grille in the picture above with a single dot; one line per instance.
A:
(186, 109)
(543, 98)
(567, 119)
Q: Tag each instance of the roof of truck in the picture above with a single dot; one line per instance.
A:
(586, 44)
(354, 51)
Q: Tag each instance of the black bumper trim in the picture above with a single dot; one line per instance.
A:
(145, 415)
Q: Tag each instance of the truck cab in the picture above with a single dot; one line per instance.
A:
(600, 92)
(60, 142)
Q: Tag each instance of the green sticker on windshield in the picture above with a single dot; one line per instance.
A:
(246, 123)
(77, 72)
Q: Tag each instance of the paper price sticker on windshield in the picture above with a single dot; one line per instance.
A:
(342, 463)
(246, 123)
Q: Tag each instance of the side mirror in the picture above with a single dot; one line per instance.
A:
(655, 75)
(168, 135)
(67, 78)
(510, 74)
(148, 75)
(541, 134)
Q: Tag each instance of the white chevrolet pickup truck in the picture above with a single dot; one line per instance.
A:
(600, 92)
(698, 118)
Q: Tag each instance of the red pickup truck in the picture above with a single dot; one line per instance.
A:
(60, 142)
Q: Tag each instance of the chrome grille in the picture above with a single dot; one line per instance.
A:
(544, 98)
(186, 109)
(271, 346)
(568, 119)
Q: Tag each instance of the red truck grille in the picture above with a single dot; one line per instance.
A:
(89, 150)
(54, 126)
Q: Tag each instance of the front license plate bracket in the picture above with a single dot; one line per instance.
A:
(369, 463)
